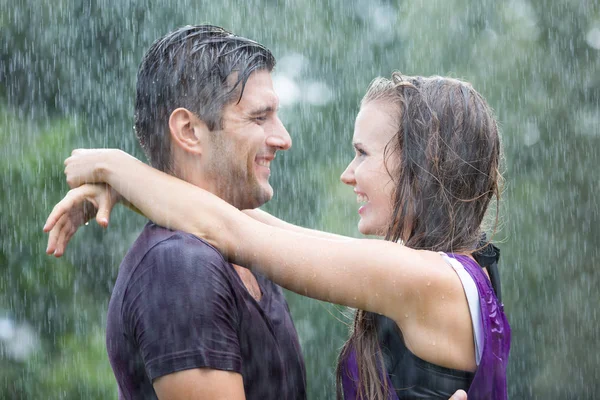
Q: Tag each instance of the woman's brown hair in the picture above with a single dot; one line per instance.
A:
(444, 162)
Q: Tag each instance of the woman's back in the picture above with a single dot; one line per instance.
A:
(414, 378)
(408, 376)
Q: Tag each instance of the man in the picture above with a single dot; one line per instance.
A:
(182, 322)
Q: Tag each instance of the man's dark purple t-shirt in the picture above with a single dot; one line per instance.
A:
(177, 305)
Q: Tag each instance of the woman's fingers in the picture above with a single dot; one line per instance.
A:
(64, 236)
(85, 165)
(57, 212)
(79, 171)
(106, 202)
(102, 217)
(55, 233)
(459, 395)
(75, 209)
(74, 198)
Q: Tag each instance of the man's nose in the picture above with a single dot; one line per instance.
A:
(279, 137)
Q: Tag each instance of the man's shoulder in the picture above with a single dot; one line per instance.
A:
(160, 247)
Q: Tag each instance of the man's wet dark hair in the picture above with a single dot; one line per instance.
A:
(189, 68)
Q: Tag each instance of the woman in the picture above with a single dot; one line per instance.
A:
(427, 152)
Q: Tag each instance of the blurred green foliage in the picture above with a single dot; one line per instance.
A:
(67, 78)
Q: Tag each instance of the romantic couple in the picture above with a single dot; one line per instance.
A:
(197, 311)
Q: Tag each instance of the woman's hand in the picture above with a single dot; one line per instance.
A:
(89, 165)
(75, 209)
(459, 395)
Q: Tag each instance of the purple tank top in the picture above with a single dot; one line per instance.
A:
(489, 381)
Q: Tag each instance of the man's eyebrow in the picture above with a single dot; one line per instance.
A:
(263, 110)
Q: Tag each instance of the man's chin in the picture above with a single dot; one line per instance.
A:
(265, 195)
(259, 197)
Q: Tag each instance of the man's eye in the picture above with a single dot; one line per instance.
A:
(260, 119)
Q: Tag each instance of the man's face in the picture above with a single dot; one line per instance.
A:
(239, 156)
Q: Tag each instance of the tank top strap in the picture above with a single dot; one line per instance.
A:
(472, 295)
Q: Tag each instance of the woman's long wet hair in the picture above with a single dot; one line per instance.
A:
(444, 162)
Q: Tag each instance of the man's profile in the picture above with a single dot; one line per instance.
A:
(182, 321)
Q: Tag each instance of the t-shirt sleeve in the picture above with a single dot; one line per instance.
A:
(179, 309)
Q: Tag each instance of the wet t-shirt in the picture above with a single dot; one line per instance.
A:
(177, 305)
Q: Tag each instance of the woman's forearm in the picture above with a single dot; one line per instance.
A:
(327, 269)
(169, 201)
(271, 220)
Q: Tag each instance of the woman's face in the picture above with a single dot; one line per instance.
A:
(376, 124)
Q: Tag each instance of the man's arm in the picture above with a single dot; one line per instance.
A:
(213, 384)
(200, 383)
(180, 312)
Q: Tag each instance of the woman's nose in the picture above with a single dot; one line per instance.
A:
(348, 175)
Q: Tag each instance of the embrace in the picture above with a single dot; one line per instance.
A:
(197, 310)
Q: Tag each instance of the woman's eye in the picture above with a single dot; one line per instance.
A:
(361, 152)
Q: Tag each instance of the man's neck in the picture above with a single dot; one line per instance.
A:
(249, 281)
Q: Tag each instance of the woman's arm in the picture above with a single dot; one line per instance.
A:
(99, 201)
(372, 275)
(266, 218)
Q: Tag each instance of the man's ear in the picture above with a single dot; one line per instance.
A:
(187, 130)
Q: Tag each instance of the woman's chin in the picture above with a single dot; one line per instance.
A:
(365, 229)
(369, 230)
